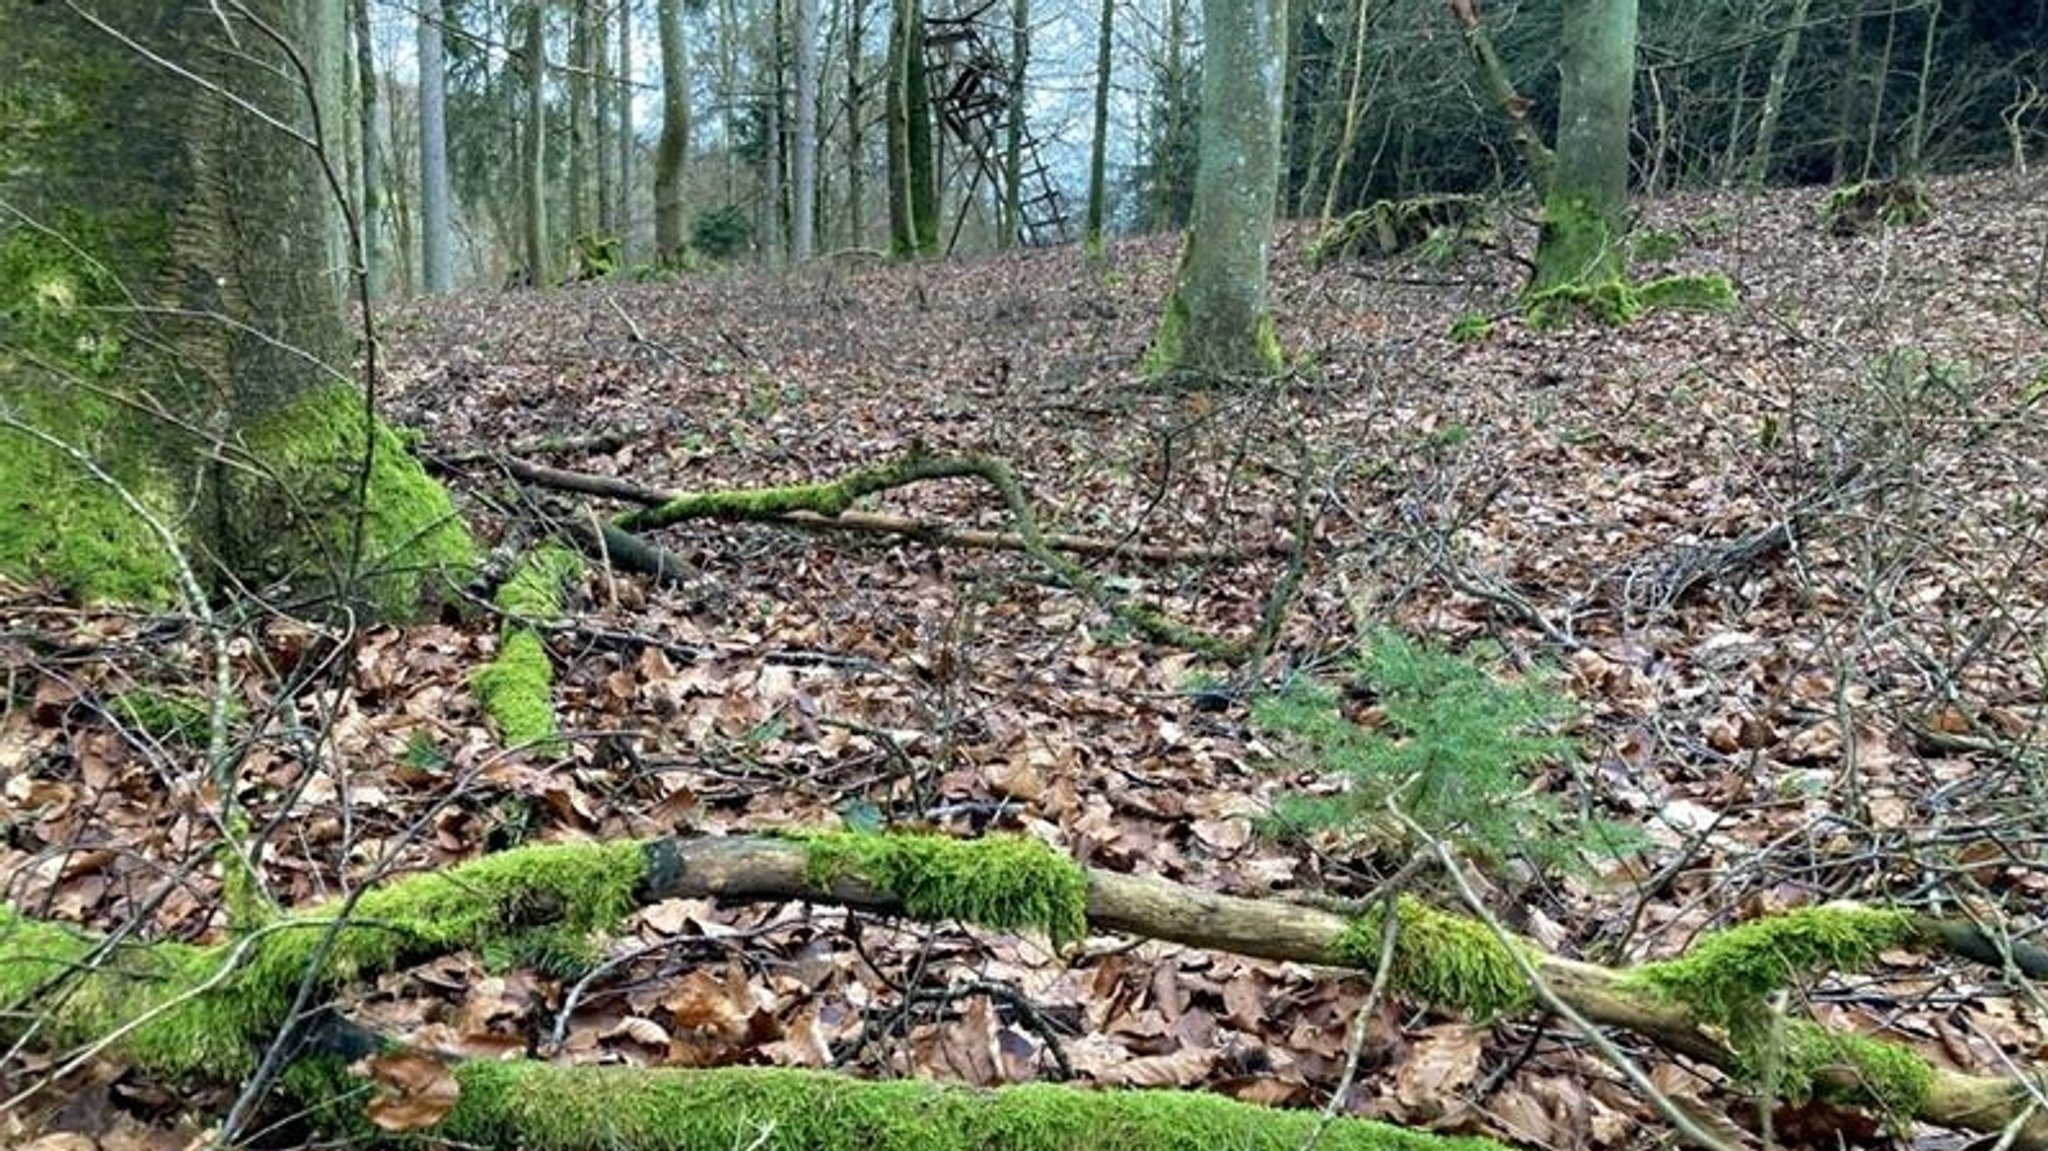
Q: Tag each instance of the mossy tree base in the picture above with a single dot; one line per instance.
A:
(207, 1010)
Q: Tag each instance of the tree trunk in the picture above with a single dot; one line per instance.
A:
(774, 247)
(1845, 101)
(582, 120)
(670, 242)
(436, 268)
(601, 152)
(896, 128)
(1584, 208)
(533, 158)
(1013, 128)
(919, 138)
(373, 178)
(1916, 129)
(1774, 96)
(1217, 322)
(1098, 149)
(622, 217)
(176, 239)
(1354, 104)
(803, 159)
(1168, 205)
(856, 112)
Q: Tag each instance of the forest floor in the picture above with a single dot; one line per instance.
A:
(1790, 562)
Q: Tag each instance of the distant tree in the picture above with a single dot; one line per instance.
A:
(173, 262)
(1013, 124)
(856, 114)
(803, 161)
(1098, 150)
(1585, 201)
(670, 239)
(1217, 320)
(580, 79)
(622, 217)
(913, 182)
(774, 245)
(533, 153)
(437, 269)
(1166, 172)
(366, 116)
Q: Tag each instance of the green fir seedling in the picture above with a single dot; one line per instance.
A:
(1454, 748)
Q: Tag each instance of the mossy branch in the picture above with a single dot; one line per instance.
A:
(833, 498)
(207, 1007)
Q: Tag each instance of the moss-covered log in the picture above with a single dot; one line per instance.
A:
(516, 688)
(548, 1108)
(184, 1009)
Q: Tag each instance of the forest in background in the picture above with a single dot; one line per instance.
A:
(1382, 102)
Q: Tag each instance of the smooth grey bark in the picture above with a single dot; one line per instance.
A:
(1098, 144)
(178, 196)
(1217, 321)
(533, 157)
(774, 240)
(1586, 203)
(1013, 128)
(670, 154)
(856, 110)
(803, 160)
(437, 268)
(372, 176)
(623, 215)
(582, 120)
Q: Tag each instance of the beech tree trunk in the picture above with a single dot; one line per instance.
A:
(175, 241)
(533, 156)
(1098, 149)
(1586, 202)
(803, 158)
(1217, 321)
(436, 267)
(670, 241)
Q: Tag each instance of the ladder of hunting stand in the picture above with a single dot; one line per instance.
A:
(972, 93)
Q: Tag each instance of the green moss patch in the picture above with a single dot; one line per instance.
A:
(1726, 975)
(1725, 978)
(167, 715)
(59, 524)
(413, 547)
(543, 1107)
(1441, 959)
(1004, 882)
(516, 689)
(207, 1009)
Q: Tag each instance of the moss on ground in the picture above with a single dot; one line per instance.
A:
(167, 715)
(1004, 882)
(205, 1011)
(543, 1107)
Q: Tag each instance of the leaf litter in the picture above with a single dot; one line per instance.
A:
(1788, 560)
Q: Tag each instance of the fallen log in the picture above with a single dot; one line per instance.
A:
(204, 1010)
